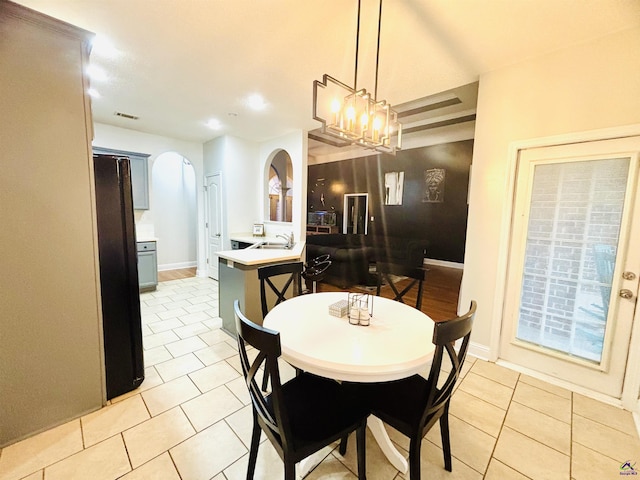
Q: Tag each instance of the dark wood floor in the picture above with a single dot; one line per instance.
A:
(439, 298)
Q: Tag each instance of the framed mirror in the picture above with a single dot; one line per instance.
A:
(280, 188)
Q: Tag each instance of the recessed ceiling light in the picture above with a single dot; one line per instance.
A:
(93, 93)
(214, 124)
(256, 102)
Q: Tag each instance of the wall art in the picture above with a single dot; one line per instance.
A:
(393, 187)
(434, 185)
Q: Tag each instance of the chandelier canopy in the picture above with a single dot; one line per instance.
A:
(353, 114)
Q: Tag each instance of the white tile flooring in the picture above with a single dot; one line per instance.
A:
(191, 419)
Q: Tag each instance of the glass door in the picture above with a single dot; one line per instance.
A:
(356, 213)
(567, 313)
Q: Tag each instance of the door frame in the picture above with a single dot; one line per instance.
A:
(345, 221)
(206, 217)
(631, 383)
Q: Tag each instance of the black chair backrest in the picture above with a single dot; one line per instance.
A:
(417, 276)
(445, 334)
(293, 281)
(268, 407)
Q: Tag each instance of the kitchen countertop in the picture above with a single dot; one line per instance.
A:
(257, 256)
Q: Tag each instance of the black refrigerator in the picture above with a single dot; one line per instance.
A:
(122, 326)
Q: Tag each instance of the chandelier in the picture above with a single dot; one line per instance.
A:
(355, 115)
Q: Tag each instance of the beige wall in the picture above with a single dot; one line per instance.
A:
(586, 87)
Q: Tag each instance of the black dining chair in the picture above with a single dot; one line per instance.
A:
(301, 416)
(386, 271)
(413, 405)
(276, 282)
(289, 277)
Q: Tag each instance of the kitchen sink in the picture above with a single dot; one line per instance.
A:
(275, 246)
(269, 245)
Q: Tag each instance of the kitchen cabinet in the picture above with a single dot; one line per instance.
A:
(139, 174)
(147, 266)
(51, 370)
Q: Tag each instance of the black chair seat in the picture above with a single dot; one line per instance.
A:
(413, 405)
(301, 416)
(399, 403)
(333, 409)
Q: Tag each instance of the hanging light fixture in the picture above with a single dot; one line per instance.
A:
(354, 115)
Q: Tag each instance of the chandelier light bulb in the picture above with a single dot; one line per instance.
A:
(364, 121)
(351, 117)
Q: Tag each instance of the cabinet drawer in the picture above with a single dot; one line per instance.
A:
(146, 246)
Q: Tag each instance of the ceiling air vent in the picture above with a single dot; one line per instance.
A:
(126, 115)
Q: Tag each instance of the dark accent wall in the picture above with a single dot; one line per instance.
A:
(443, 225)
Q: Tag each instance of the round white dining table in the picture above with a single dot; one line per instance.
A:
(396, 344)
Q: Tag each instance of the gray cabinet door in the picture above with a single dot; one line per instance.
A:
(147, 270)
(147, 265)
(139, 175)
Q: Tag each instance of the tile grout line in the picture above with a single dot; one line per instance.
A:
(502, 425)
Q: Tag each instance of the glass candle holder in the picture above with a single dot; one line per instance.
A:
(354, 315)
(360, 308)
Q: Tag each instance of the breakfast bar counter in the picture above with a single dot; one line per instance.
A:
(238, 278)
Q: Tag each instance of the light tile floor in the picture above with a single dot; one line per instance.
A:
(191, 419)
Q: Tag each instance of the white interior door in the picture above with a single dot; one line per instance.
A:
(214, 223)
(572, 279)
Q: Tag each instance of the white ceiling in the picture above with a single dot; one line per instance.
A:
(182, 62)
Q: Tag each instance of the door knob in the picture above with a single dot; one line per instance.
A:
(629, 275)
(626, 293)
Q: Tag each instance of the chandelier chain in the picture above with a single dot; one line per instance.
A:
(375, 90)
(355, 74)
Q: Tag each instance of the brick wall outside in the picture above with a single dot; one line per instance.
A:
(574, 207)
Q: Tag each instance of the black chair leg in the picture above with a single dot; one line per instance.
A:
(361, 433)
(289, 470)
(253, 449)
(343, 445)
(444, 434)
(414, 457)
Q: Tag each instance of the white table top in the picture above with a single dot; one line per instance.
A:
(396, 344)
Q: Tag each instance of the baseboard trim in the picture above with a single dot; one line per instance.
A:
(443, 263)
(176, 266)
(479, 351)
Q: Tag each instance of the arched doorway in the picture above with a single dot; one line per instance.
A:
(173, 182)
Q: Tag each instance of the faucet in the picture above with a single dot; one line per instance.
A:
(288, 238)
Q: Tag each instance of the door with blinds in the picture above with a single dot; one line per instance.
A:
(573, 271)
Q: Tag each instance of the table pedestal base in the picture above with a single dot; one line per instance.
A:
(382, 438)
